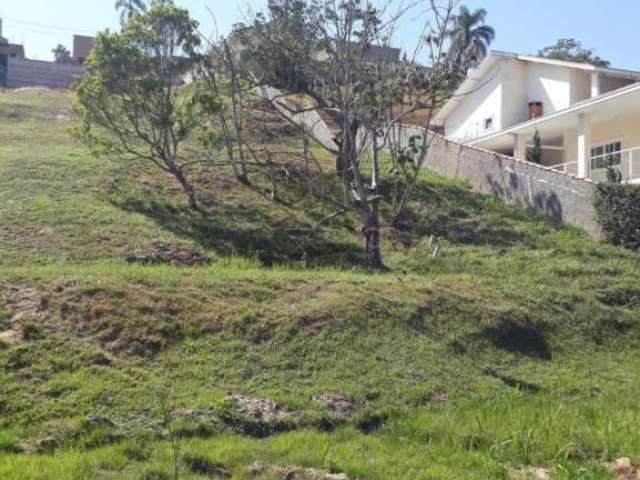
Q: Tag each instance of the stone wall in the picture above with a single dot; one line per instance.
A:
(36, 73)
(562, 197)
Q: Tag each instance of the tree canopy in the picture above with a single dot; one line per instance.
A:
(129, 8)
(128, 99)
(470, 38)
(571, 50)
(62, 54)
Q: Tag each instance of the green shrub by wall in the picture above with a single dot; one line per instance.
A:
(618, 210)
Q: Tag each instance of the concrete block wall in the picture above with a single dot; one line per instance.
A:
(36, 73)
(562, 197)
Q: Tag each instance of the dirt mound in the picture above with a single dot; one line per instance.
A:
(168, 253)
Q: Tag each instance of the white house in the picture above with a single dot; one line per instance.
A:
(586, 116)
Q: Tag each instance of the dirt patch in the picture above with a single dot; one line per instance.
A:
(168, 253)
(25, 302)
(336, 403)
(624, 469)
(620, 297)
(257, 417)
(294, 473)
(27, 308)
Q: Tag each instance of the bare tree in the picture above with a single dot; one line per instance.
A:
(333, 59)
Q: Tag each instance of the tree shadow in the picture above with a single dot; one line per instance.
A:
(512, 382)
(247, 232)
(461, 216)
(546, 203)
(511, 336)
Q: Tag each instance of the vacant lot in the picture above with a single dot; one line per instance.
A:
(515, 346)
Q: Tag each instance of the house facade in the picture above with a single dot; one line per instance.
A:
(587, 117)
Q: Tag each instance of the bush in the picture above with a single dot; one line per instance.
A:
(618, 210)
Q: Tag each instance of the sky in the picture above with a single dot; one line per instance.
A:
(523, 26)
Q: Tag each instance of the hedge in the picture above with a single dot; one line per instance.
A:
(618, 210)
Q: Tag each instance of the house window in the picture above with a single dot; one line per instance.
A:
(488, 123)
(603, 154)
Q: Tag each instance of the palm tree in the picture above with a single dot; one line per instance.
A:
(470, 38)
(129, 8)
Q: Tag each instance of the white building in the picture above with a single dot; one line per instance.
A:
(586, 116)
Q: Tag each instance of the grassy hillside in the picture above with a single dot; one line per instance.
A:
(515, 346)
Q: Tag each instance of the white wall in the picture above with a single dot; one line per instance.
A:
(467, 120)
(580, 85)
(550, 85)
(515, 107)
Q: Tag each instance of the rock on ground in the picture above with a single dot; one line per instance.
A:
(530, 473)
(294, 473)
(624, 469)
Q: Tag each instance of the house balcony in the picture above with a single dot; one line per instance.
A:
(626, 162)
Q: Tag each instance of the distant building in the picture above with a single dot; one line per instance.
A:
(11, 50)
(8, 51)
(82, 46)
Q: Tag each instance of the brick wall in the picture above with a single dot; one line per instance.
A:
(35, 73)
(563, 198)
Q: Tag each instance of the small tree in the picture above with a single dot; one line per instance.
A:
(535, 154)
(613, 174)
(61, 54)
(571, 50)
(129, 100)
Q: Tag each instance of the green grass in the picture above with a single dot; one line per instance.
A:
(516, 345)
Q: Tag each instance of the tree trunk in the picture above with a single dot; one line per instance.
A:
(371, 233)
(188, 189)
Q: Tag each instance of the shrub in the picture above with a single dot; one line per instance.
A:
(618, 210)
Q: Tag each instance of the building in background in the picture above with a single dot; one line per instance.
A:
(7, 51)
(587, 117)
(82, 46)
(11, 50)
